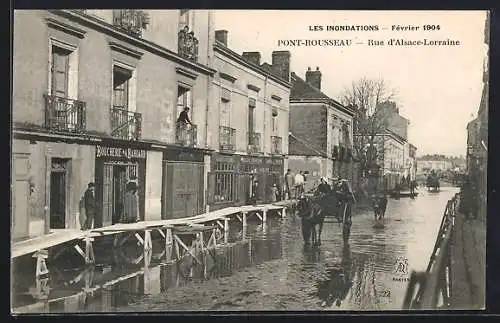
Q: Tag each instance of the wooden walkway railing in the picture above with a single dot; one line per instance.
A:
(431, 289)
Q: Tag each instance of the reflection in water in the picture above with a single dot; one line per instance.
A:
(339, 282)
(263, 268)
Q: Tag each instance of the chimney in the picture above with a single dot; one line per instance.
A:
(281, 64)
(314, 77)
(252, 57)
(221, 36)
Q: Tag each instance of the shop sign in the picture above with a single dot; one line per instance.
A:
(251, 160)
(118, 152)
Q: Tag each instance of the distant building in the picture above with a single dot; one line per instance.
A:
(426, 166)
(320, 131)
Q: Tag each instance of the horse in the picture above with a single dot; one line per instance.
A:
(312, 218)
(379, 204)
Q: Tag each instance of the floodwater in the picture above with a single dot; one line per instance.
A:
(268, 269)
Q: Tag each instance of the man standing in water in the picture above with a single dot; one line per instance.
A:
(347, 200)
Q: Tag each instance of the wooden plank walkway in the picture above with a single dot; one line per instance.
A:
(468, 271)
(57, 237)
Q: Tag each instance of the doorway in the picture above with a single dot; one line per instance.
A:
(119, 183)
(58, 175)
(116, 176)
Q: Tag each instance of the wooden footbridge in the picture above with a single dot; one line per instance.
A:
(206, 231)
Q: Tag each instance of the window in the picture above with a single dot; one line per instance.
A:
(121, 88)
(63, 74)
(184, 99)
(225, 108)
(251, 116)
(275, 120)
(224, 182)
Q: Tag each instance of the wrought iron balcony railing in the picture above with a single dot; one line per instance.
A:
(254, 143)
(227, 138)
(188, 44)
(186, 134)
(63, 114)
(132, 21)
(276, 144)
(125, 124)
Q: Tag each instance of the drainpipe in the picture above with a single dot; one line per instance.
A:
(209, 81)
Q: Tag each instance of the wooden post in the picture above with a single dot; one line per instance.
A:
(283, 212)
(168, 245)
(41, 266)
(244, 219)
(148, 244)
(89, 251)
(226, 225)
(264, 215)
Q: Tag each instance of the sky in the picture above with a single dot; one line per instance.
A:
(438, 87)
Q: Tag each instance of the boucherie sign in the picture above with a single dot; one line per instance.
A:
(119, 152)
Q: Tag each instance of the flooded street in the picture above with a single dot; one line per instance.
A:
(268, 270)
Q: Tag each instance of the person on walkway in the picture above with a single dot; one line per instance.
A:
(299, 184)
(130, 204)
(288, 185)
(90, 206)
(466, 198)
(274, 193)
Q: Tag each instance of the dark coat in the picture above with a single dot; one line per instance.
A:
(89, 202)
(130, 207)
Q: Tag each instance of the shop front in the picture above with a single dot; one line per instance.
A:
(233, 179)
(182, 183)
(115, 166)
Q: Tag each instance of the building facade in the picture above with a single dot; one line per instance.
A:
(477, 137)
(96, 94)
(320, 131)
(425, 166)
(249, 127)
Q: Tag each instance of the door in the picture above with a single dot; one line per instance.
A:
(20, 194)
(119, 183)
(107, 195)
(184, 184)
(57, 198)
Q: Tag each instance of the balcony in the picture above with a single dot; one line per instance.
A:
(62, 114)
(276, 144)
(188, 44)
(254, 143)
(227, 139)
(186, 134)
(125, 124)
(131, 21)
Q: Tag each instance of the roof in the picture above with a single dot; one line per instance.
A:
(299, 146)
(303, 91)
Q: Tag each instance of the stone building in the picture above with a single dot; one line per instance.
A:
(320, 131)
(248, 128)
(96, 94)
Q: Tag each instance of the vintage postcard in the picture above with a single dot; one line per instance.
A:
(248, 160)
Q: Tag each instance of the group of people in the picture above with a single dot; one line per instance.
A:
(128, 213)
(294, 185)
